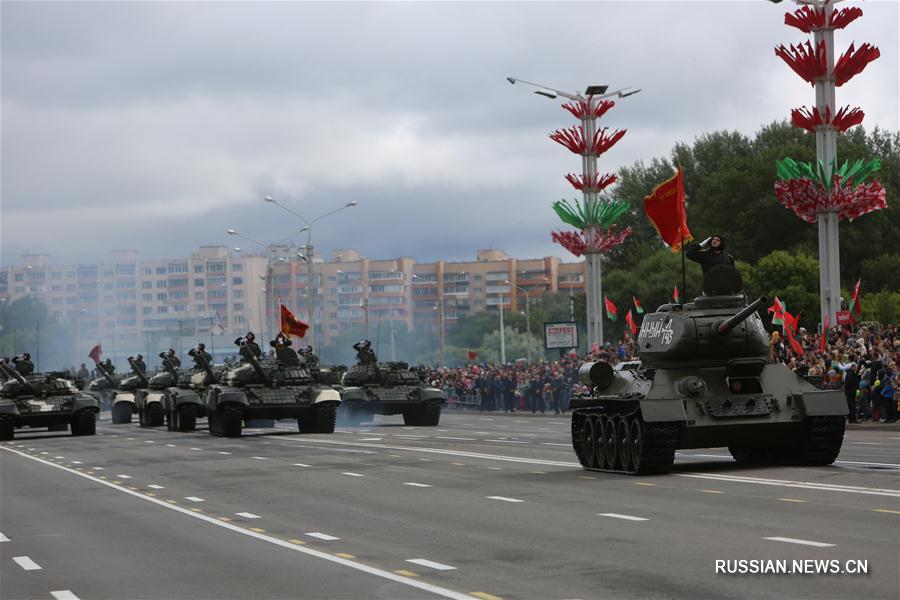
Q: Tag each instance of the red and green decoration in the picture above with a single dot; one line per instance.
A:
(637, 305)
(803, 188)
(612, 312)
(592, 217)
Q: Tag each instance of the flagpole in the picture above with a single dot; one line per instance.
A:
(683, 275)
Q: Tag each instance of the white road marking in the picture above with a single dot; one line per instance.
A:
(806, 485)
(447, 437)
(196, 449)
(483, 419)
(248, 515)
(150, 441)
(124, 476)
(26, 563)
(322, 536)
(624, 517)
(59, 457)
(240, 530)
(259, 457)
(300, 465)
(349, 474)
(153, 486)
(507, 441)
(410, 437)
(194, 499)
(221, 452)
(45, 453)
(868, 443)
(413, 484)
(376, 439)
(555, 444)
(430, 564)
(76, 462)
(504, 499)
(97, 468)
(64, 595)
(3, 538)
(171, 446)
(801, 542)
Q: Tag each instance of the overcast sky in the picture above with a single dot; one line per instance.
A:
(156, 126)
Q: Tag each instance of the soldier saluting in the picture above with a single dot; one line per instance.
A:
(710, 253)
(23, 364)
(249, 340)
(170, 360)
(200, 355)
(138, 363)
(364, 353)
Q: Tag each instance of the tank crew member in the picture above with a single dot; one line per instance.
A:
(710, 253)
(139, 363)
(108, 366)
(198, 354)
(23, 364)
(170, 360)
(249, 340)
(309, 357)
(283, 351)
(364, 353)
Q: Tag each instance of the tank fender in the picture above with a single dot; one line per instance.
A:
(325, 395)
(354, 394)
(153, 398)
(662, 409)
(227, 395)
(123, 397)
(183, 397)
(8, 408)
(85, 401)
(432, 394)
(820, 403)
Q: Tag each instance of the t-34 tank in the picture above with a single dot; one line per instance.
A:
(270, 388)
(373, 388)
(704, 380)
(44, 400)
(117, 391)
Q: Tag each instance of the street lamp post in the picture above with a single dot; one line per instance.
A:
(267, 278)
(502, 334)
(594, 286)
(310, 290)
(527, 318)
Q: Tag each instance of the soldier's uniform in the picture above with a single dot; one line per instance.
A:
(200, 356)
(140, 364)
(364, 353)
(249, 341)
(23, 364)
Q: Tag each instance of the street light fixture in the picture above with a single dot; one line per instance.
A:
(308, 258)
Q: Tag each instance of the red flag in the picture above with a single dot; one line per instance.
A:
(637, 305)
(291, 325)
(676, 296)
(611, 311)
(629, 320)
(95, 353)
(823, 341)
(665, 209)
(855, 307)
(790, 325)
(777, 310)
(472, 355)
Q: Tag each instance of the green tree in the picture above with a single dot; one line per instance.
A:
(794, 278)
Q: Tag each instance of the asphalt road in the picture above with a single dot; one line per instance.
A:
(483, 506)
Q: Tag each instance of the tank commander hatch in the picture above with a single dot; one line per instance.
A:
(284, 354)
(710, 253)
(249, 340)
(309, 357)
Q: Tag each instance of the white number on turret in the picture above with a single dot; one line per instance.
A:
(657, 329)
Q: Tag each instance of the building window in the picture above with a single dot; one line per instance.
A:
(147, 297)
(148, 310)
(237, 294)
(239, 280)
(161, 283)
(178, 282)
(237, 267)
(162, 309)
(148, 271)
(199, 295)
(124, 269)
(146, 285)
(160, 270)
(238, 306)
(162, 297)
(198, 283)
(179, 268)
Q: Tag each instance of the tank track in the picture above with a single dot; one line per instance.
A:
(623, 443)
(226, 421)
(823, 442)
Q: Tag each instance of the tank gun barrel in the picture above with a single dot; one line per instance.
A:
(204, 364)
(11, 373)
(248, 355)
(139, 372)
(106, 375)
(723, 328)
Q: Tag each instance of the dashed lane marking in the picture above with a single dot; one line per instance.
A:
(154, 486)
(322, 536)
(3, 538)
(430, 564)
(59, 457)
(555, 444)
(504, 499)
(713, 491)
(222, 522)
(447, 437)
(26, 563)
(801, 542)
(299, 465)
(248, 515)
(806, 485)
(259, 458)
(148, 441)
(881, 510)
(196, 449)
(223, 452)
(171, 446)
(97, 468)
(124, 476)
(257, 529)
(486, 596)
(370, 439)
(868, 443)
(76, 462)
(296, 541)
(194, 499)
(414, 484)
(507, 442)
(344, 555)
(793, 500)
(64, 595)
(406, 573)
(349, 474)
(623, 517)
(644, 483)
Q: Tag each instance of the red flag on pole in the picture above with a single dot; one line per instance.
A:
(629, 320)
(95, 353)
(823, 341)
(790, 325)
(611, 311)
(472, 355)
(665, 209)
(855, 307)
(637, 305)
(676, 296)
(291, 325)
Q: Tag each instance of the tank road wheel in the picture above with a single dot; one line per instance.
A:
(215, 428)
(612, 446)
(822, 444)
(411, 416)
(623, 437)
(658, 444)
(230, 422)
(637, 442)
(121, 413)
(588, 443)
(157, 415)
(430, 415)
(7, 428)
(324, 419)
(185, 417)
(600, 456)
(84, 423)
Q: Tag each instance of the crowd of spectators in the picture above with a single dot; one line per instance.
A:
(862, 363)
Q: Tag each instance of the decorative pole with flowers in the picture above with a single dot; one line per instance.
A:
(827, 192)
(594, 217)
